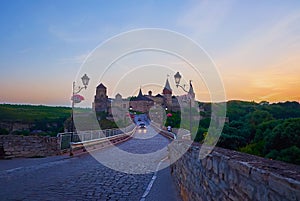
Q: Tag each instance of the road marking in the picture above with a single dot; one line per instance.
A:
(148, 189)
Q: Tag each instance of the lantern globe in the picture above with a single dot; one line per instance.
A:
(85, 80)
(177, 77)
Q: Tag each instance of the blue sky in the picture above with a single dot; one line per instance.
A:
(255, 44)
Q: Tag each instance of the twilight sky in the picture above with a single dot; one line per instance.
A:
(254, 44)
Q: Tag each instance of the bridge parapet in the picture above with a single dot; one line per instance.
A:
(102, 142)
(90, 135)
(12, 146)
(230, 175)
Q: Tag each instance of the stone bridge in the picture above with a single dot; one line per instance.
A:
(146, 174)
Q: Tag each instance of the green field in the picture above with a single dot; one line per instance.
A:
(44, 120)
(31, 113)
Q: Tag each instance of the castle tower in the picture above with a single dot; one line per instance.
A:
(167, 93)
(141, 103)
(101, 99)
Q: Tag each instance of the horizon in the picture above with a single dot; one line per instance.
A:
(255, 47)
(69, 106)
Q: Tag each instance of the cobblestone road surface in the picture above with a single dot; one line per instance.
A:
(84, 178)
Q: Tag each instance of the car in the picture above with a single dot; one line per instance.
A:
(142, 125)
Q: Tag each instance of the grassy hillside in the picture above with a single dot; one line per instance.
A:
(41, 120)
(31, 113)
(44, 120)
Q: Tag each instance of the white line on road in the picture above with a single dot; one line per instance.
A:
(148, 189)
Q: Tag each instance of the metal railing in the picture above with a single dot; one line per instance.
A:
(181, 134)
(86, 136)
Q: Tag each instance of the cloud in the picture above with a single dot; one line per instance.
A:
(67, 36)
(265, 46)
(77, 59)
(205, 16)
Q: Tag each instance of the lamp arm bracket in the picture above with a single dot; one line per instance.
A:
(79, 90)
(182, 88)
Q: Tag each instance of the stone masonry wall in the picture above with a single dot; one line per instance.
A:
(12, 146)
(230, 175)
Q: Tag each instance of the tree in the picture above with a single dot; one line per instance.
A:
(265, 129)
(254, 119)
(231, 141)
(284, 135)
(290, 155)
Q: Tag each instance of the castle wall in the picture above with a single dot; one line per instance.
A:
(230, 175)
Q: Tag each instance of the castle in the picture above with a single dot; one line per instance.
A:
(141, 103)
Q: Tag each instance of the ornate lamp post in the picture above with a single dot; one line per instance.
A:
(177, 78)
(85, 81)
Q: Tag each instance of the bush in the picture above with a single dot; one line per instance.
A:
(289, 155)
(254, 148)
(200, 134)
(231, 141)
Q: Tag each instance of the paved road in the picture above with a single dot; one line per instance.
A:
(84, 178)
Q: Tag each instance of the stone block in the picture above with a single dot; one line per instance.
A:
(215, 165)
(233, 196)
(215, 178)
(247, 187)
(232, 178)
(273, 196)
(208, 163)
(259, 175)
(284, 187)
(261, 193)
(242, 167)
(203, 162)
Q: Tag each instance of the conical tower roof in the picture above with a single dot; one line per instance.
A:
(167, 89)
(101, 86)
(141, 97)
(191, 91)
(140, 93)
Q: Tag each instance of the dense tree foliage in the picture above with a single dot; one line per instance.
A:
(263, 129)
(268, 130)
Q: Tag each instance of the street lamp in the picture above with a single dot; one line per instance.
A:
(85, 81)
(177, 78)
